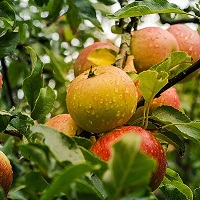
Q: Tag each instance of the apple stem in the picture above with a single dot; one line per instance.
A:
(182, 75)
(91, 73)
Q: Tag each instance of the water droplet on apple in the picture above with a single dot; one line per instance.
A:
(118, 113)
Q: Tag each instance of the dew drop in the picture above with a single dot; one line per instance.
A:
(118, 113)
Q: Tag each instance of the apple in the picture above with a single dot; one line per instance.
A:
(150, 145)
(101, 99)
(1, 81)
(65, 124)
(82, 63)
(6, 173)
(169, 97)
(150, 46)
(188, 40)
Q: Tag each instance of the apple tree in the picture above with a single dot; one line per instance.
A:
(44, 52)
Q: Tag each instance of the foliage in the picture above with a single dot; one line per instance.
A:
(39, 41)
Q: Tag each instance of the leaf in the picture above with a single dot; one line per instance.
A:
(33, 83)
(177, 122)
(35, 154)
(41, 2)
(44, 103)
(129, 169)
(174, 64)
(59, 74)
(80, 10)
(8, 43)
(197, 194)
(62, 146)
(92, 158)
(4, 120)
(155, 83)
(102, 56)
(62, 181)
(146, 7)
(174, 188)
(107, 2)
(85, 191)
(7, 13)
(172, 139)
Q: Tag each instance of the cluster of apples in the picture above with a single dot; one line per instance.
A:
(102, 98)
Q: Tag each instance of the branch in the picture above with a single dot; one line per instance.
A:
(175, 80)
(5, 76)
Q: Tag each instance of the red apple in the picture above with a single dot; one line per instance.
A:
(82, 63)
(188, 40)
(150, 145)
(6, 173)
(150, 46)
(169, 97)
(101, 99)
(65, 124)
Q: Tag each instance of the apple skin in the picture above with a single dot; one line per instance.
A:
(150, 145)
(102, 102)
(1, 81)
(150, 46)
(82, 63)
(6, 173)
(65, 124)
(188, 40)
(169, 97)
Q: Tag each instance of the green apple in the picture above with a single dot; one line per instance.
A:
(150, 46)
(150, 145)
(82, 63)
(65, 124)
(6, 173)
(101, 99)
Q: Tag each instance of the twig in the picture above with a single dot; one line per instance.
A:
(5, 77)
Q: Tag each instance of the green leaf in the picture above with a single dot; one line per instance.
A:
(33, 83)
(4, 120)
(81, 10)
(155, 83)
(54, 7)
(8, 43)
(94, 159)
(59, 73)
(146, 7)
(85, 191)
(174, 188)
(172, 139)
(35, 154)
(2, 195)
(44, 103)
(21, 122)
(129, 169)
(7, 13)
(62, 146)
(41, 2)
(62, 181)
(174, 64)
(177, 122)
(107, 2)
(197, 194)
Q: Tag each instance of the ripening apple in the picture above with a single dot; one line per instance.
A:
(101, 99)
(65, 124)
(169, 97)
(150, 145)
(82, 63)
(6, 173)
(1, 81)
(188, 40)
(150, 46)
